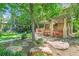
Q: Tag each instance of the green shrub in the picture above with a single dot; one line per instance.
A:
(29, 35)
(4, 52)
(77, 34)
(20, 53)
(0, 34)
(9, 33)
(24, 36)
(40, 42)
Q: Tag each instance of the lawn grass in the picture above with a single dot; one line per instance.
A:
(13, 35)
(29, 35)
(9, 37)
(6, 36)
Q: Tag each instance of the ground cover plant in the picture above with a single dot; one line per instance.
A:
(4, 52)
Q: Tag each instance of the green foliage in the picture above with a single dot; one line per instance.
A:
(20, 53)
(46, 11)
(2, 7)
(24, 36)
(0, 34)
(7, 36)
(40, 42)
(75, 10)
(4, 52)
(21, 17)
(29, 35)
(77, 34)
(20, 14)
(75, 13)
(76, 25)
(8, 33)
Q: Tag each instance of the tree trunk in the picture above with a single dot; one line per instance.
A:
(11, 24)
(33, 21)
(71, 26)
(1, 25)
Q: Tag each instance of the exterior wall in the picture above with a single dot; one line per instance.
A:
(59, 26)
(47, 30)
(68, 28)
(58, 30)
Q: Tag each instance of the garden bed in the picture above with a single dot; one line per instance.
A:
(25, 44)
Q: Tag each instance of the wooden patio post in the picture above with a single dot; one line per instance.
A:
(65, 29)
(51, 28)
(71, 26)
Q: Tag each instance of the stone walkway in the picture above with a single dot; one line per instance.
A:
(73, 50)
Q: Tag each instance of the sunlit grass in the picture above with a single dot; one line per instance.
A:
(5, 36)
(29, 35)
(13, 35)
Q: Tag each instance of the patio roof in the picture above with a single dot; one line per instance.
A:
(60, 18)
